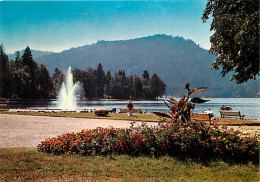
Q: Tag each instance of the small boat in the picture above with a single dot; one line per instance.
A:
(227, 108)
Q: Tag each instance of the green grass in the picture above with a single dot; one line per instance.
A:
(123, 116)
(119, 116)
(19, 164)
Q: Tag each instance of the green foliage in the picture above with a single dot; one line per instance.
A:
(107, 90)
(23, 78)
(236, 37)
(100, 81)
(46, 89)
(57, 78)
(89, 83)
(118, 86)
(4, 74)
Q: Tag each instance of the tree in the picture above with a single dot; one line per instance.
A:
(137, 88)
(146, 75)
(18, 60)
(157, 86)
(236, 37)
(107, 90)
(31, 68)
(89, 83)
(57, 78)
(78, 75)
(100, 81)
(154, 86)
(120, 87)
(4, 73)
(45, 83)
(162, 87)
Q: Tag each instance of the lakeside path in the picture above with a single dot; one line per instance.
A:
(29, 131)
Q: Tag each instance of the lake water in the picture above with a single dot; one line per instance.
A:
(250, 107)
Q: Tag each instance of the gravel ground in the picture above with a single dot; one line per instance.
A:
(29, 131)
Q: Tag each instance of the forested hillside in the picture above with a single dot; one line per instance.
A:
(35, 53)
(23, 78)
(175, 59)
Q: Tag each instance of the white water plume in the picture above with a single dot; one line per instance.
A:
(67, 94)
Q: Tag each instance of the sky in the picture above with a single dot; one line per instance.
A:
(59, 25)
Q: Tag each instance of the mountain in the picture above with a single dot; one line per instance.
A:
(35, 53)
(174, 59)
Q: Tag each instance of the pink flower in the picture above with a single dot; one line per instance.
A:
(176, 135)
(200, 128)
(181, 129)
(238, 132)
(231, 129)
(212, 138)
(213, 121)
(243, 140)
(193, 121)
(190, 129)
(199, 132)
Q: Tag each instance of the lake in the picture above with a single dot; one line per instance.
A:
(250, 107)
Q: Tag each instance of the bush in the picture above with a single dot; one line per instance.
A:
(101, 112)
(194, 139)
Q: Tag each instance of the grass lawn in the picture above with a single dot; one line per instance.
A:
(119, 116)
(123, 116)
(26, 164)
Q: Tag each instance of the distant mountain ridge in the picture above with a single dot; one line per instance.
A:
(35, 53)
(174, 59)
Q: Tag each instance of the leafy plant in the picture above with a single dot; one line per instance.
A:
(180, 111)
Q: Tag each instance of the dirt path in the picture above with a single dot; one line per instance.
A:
(29, 131)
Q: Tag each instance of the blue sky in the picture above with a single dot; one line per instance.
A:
(56, 26)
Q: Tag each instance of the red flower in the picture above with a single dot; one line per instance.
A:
(173, 109)
(181, 103)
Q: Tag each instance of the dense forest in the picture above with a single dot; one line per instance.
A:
(24, 78)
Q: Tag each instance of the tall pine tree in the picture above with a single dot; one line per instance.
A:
(4, 73)
(100, 81)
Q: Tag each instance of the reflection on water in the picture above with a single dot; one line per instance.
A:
(250, 107)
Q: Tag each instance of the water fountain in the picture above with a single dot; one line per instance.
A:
(67, 95)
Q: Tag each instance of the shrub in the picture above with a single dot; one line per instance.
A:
(194, 139)
(101, 112)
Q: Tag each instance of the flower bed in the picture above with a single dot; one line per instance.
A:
(101, 112)
(194, 139)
